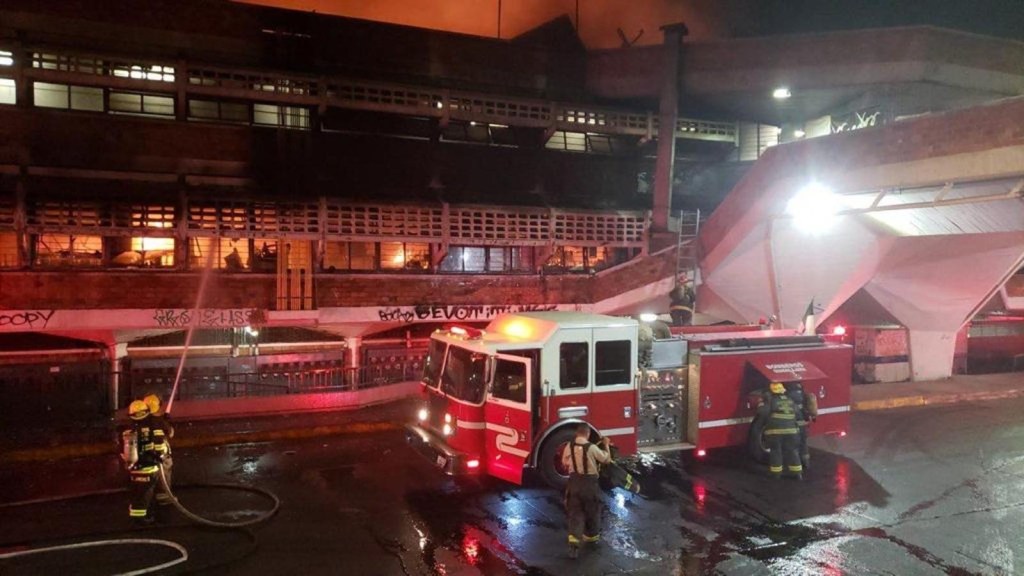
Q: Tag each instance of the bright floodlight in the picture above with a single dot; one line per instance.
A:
(781, 93)
(648, 317)
(814, 208)
(798, 133)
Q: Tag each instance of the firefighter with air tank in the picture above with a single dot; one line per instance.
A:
(145, 451)
(782, 432)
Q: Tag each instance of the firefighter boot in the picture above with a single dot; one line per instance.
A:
(574, 547)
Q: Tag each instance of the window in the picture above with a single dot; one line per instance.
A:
(8, 249)
(143, 72)
(138, 103)
(218, 111)
(147, 252)
(227, 253)
(566, 259)
(8, 92)
(350, 256)
(463, 375)
(67, 250)
(404, 256)
(509, 381)
(572, 141)
(613, 362)
(6, 58)
(432, 363)
(283, 116)
(465, 259)
(573, 365)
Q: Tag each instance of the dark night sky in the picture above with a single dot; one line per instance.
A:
(706, 19)
(1003, 18)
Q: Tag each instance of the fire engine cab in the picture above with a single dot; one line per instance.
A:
(507, 398)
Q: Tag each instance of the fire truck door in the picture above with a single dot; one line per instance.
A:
(508, 417)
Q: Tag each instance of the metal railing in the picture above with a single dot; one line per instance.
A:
(214, 386)
(286, 88)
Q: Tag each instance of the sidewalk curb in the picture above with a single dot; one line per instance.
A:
(111, 448)
(934, 400)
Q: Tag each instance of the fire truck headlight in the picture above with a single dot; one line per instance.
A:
(447, 418)
(447, 430)
(423, 414)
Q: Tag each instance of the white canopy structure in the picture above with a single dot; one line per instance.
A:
(925, 215)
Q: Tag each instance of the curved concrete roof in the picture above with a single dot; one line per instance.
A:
(930, 224)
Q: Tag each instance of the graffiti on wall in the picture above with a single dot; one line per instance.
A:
(464, 312)
(857, 121)
(31, 319)
(204, 318)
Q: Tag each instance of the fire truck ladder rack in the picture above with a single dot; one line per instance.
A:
(768, 343)
(686, 254)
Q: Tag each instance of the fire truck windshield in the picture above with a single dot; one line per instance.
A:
(432, 365)
(464, 375)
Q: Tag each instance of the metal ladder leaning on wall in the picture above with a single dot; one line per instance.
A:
(686, 253)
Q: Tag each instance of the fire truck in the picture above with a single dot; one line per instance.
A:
(507, 398)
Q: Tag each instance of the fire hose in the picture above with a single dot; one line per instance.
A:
(183, 553)
(207, 522)
(116, 542)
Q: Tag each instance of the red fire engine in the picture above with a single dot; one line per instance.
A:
(506, 398)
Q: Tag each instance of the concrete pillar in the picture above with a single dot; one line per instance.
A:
(354, 345)
(116, 353)
(668, 114)
(931, 354)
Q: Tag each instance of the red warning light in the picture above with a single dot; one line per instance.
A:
(842, 433)
(839, 330)
(474, 463)
(701, 453)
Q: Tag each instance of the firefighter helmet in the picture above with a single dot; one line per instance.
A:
(778, 388)
(138, 410)
(153, 403)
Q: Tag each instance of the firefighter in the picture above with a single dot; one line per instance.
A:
(781, 432)
(681, 307)
(583, 494)
(164, 429)
(807, 412)
(145, 470)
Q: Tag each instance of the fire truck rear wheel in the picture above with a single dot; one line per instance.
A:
(550, 463)
(756, 444)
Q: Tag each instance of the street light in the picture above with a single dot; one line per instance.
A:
(814, 208)
(781, 93)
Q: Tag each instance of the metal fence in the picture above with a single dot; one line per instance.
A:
(217, 385)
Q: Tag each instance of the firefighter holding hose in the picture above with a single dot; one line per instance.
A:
(151, 448)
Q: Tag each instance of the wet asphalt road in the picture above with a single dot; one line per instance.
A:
(934, 490)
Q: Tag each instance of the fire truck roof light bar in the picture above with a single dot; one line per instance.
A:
(466, 331)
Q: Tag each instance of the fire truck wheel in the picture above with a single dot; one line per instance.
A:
(550, 462)
(756, 444)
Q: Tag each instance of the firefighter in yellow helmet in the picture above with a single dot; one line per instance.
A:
(162, 428)
(781, 432)
(144, 472)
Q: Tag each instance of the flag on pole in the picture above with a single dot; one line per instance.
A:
(807, 326)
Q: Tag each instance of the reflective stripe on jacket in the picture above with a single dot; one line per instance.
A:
(782, 415)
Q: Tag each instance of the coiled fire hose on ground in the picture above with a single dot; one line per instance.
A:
(207, 522)
(242, 525)
(114, 542)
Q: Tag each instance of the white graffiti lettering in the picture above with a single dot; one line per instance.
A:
(204, 318)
